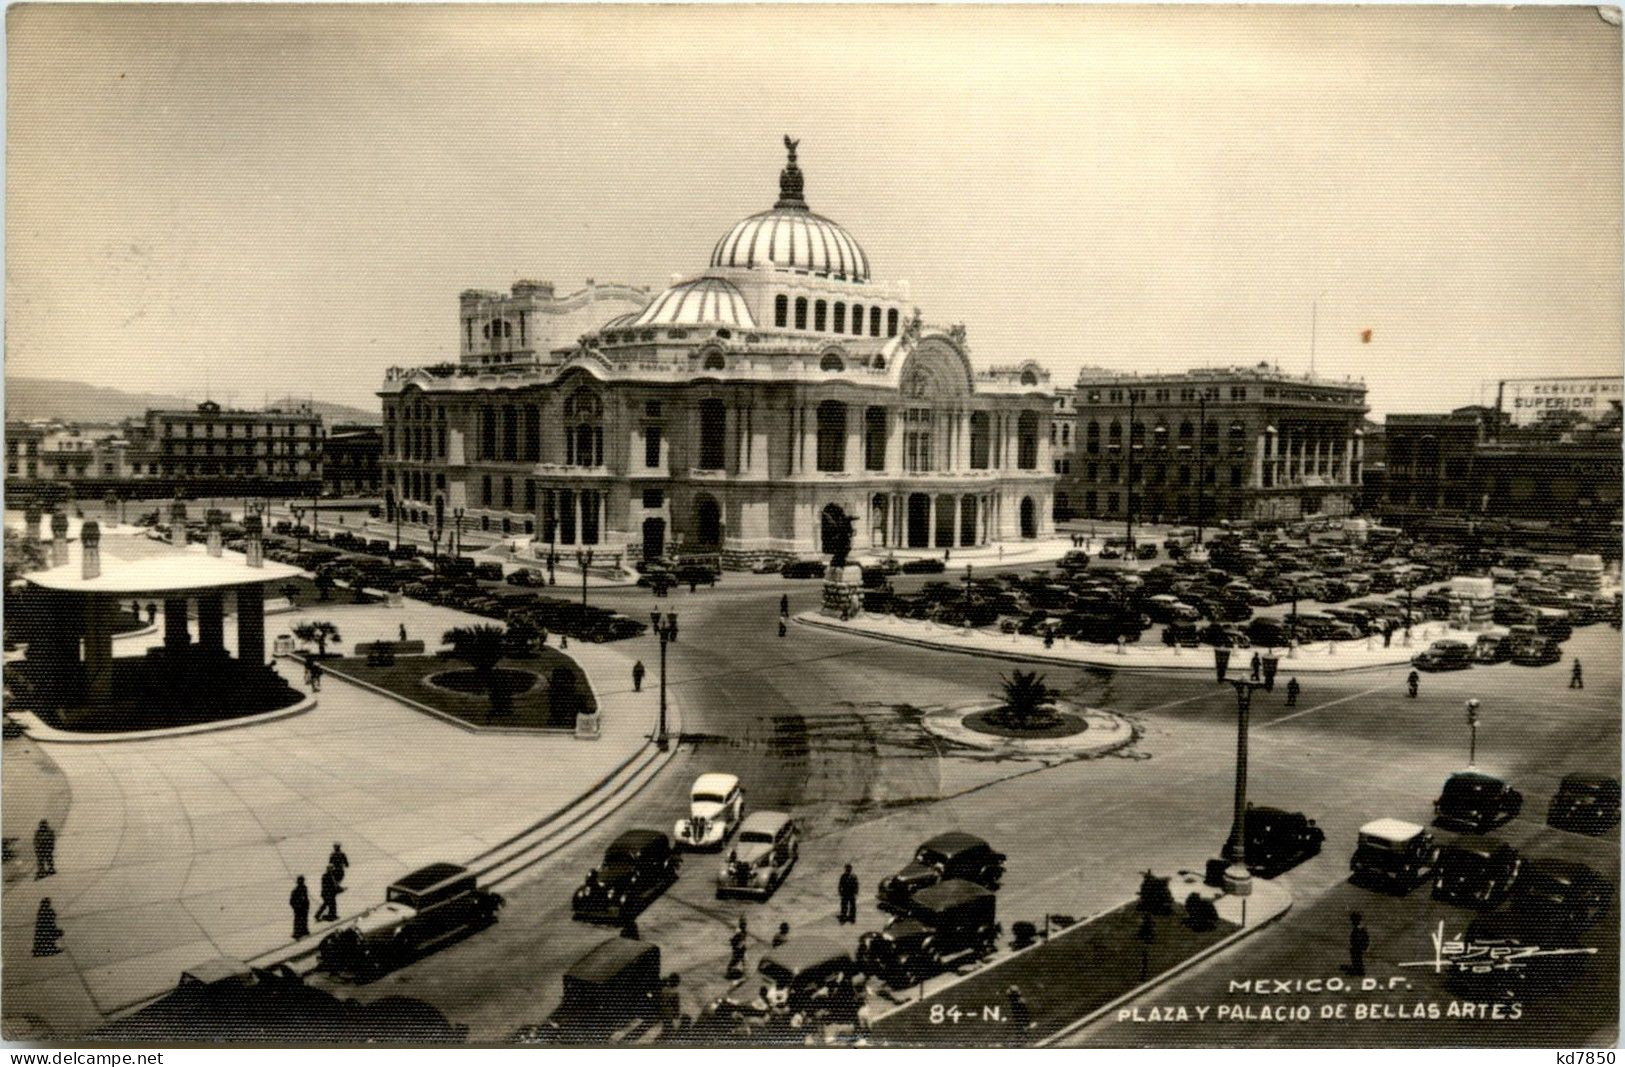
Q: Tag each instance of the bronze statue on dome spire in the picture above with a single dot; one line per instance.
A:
(790, 181)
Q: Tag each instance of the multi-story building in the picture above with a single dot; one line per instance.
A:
(1063, 423)
(60, 452)
(746, 411)
(1430, 458)
(1240, 443)
(212, 442)
(351, 458)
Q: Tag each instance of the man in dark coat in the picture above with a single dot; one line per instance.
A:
(782, 628)
(44, 850)
(299, 901)
(847, 889)
(784, 605)
(1359, 941)
(1292, 691)
(315, 677)
(1413, 682)
(329, 911)
(1577, 680)
(46, 932)
(637, 677)
(339, 863)
(1258, 665)
(736, 947)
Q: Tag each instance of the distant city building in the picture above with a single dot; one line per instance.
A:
(352, 461)
(1063, 423)
(749, 411)
(1246, 442)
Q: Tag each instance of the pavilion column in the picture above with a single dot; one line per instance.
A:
(809, 439)
(251, 625)
(99, 649)
(958, 508)
(175, 636)
(1258, 463)
(211, 622)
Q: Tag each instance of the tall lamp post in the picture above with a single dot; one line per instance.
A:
(457, 515)
(665, 627)
(552, 548)
(434, 546)
(1472, 733)
(299, 527)
(1238, 881)
(585, 560)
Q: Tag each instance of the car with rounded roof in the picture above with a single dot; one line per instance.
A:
(1393, 855)
(946, 925)
(1585, 803)
(1445, 655)
(637, 867)
(1476, 871)
(761, 857)
(807, 974)
(955, 854)
(1564, 894)
(610, 992)
(715, 806)
(1278, 840)
(1473, 802)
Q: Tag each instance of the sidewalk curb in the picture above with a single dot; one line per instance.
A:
(37, 730)
(450, 720)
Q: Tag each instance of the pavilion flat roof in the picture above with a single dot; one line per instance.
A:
(171, 570)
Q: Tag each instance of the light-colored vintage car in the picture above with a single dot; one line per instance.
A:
(762, 857)
(715, 806)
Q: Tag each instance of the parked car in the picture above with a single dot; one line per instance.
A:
(715, 806)
(1393, 855)
(1528, 939)
(1145, 551)
(1476, 871)
(424, 907)
(488, 572)
(223, 1000)
(609, 993)
(955, 854)
(1492, 648)
(1561, 893)
(1279, 840)
(696, 574)
(946, 925)
(1536, 652)
(1444, 656)
(1585, 804)
(929, 565)
(637, 867)
(761, 858)
(527, 578)
(807, 974)
(803, 568)
(1475, 802)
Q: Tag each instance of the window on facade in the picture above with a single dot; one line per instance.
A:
(533, 434)
(583, 429)
(1210, 438)
(651, 446)
(891, 323)
(874, 439)
(653, 498)
(857, 319)
(980, 437)
(918, 451)
(713, 434)
(485, 490)
(874, 322)
(801, 313)
(1114, 434)
(1235, 477)
(1238, 437)
(1092, 438)
(781, 310)
(831, 362)
(713, 361)
(831, 436)
(488, 432)
(507, 492)
(820, 315)
(839, 325)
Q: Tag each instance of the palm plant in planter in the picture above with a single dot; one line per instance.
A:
(317, 633)
(482, 647)
(1028, 702)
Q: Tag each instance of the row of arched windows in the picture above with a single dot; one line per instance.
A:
(833, 318)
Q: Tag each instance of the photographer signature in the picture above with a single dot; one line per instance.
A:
(1479, 957)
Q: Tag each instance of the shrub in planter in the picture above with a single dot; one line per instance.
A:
(1200, 914)
(1155, 896)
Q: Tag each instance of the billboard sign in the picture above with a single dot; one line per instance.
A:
(1525, 400)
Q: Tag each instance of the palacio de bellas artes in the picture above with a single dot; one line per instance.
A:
(886, 527)
(746, 411)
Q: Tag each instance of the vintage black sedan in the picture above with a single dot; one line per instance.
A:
(1585, 804)
(1475, 802)
(955, 854)
(1476, 871)
(424, 907)
(1393, 855)
(609, 994)
(1279, 840)
(946, 924)
(637, 868)
(1566, 895)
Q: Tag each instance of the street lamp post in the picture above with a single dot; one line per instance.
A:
(298, 527)
(665, 628)
(1238, 881)
(1472, 733)
(434, 545)
(585, 560)
(457, 514)
(552, 548)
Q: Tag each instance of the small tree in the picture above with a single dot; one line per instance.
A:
(1200, 914)
(1155, 896)
(317, 633)
(1026, 699)
(482, 647)
(324, 586)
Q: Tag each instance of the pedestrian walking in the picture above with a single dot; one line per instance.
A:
(1412, 682)
(403, 633)
(736, 947)
(339, 862)
(46, 931)
(847, 890)
(299, 901)
(1359, 941)
(1258, 665)
(784, 605)
(782, 628)
(329, 910)
(44, 850)
(315, 677)
(1292, 691)
(1021, 1016)
(637, 677)
(1387, 634)
(782, 936)
(152, 613)
(1576, 680)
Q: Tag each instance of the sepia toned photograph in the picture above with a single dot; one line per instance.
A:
(863, 526)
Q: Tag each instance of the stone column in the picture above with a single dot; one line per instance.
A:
(1348, 459)
(99, 649)
(732, 454)
(251, 625)
(853, 461)
(931, 521)
(957, 509)
(964, 440)
(211, 622)
(59, 538)
(177, 523)
(1258, 463)
(176, 637)
(90, 544)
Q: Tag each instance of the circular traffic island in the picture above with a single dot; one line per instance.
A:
(1052, 723)
(1061, 731)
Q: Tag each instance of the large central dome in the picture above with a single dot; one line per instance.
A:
(791, 237)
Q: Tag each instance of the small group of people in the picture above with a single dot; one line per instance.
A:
(331, 886)
(313, 675)
(47, 932)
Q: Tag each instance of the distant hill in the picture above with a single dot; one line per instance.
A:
(51, 398)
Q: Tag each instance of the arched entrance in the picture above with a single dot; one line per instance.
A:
(654, 538)
(707, 522)
(967, 521)
(832, 523)
(1029, 518)
(919, 520)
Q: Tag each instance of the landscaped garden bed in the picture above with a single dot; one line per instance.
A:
(557, 689)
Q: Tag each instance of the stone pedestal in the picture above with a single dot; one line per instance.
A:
(589, 726)
(843, 592)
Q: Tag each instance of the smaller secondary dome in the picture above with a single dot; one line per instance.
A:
(701, 300)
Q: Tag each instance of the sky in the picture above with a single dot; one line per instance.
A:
(253, 201)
